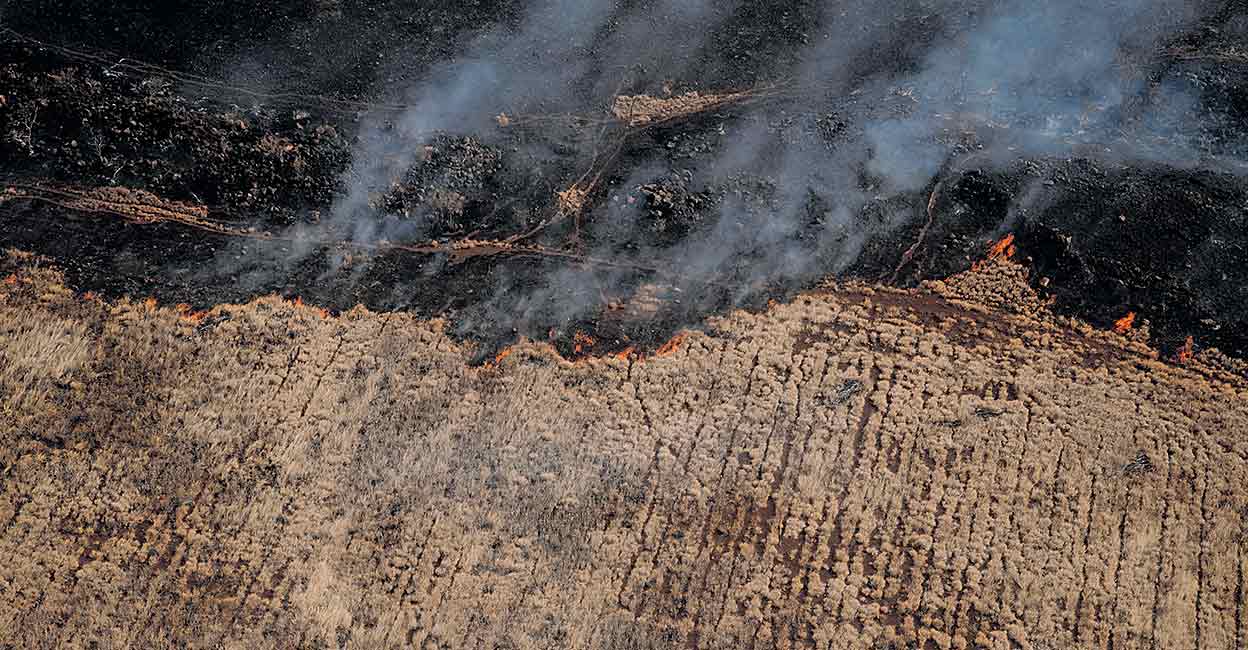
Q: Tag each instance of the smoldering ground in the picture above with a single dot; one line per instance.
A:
(852, 123)
(785, 204)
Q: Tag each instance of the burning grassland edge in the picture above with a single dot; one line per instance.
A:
(144, 208)
(995, 290)
(378, 488)
(625, 112)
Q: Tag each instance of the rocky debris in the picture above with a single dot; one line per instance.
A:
(988, 413)
(842, 394)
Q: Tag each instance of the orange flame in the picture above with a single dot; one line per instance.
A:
(1186, 352)
(624, 354)
(1124, 324)
(187, 315)
(671, 346)
(502, 354)
(582, 342)
(11, 279)
(1002, 249)
(298, 303)
(89, 296)
(149, 304)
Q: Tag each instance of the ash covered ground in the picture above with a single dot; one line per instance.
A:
(543, 169)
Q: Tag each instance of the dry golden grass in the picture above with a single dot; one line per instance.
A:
(858, 468)
(645, 110)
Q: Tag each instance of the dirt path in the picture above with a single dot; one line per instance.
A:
(856, 467)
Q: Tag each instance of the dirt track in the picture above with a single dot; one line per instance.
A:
(853, 469)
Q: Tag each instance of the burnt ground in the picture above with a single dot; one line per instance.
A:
(206, 108)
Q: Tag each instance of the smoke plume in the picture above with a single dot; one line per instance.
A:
(846, 131)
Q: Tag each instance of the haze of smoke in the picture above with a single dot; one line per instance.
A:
(1027, 79)
(1044, 75)
(536, 66)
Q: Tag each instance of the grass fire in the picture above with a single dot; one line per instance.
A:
(653, 324)
(1124, 324)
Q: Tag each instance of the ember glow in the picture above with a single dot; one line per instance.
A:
(1002, 249)
(298, 303)
(188, 315)
(671, 346)
(582, 343)
(502, 354)
(1186, 352)
(1124, 324)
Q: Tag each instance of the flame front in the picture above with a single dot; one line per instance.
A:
(671, 346)
(1002, 249)
(11, 279)
(1124, 324)
(502, 354)
(1186, 352)
(624, 354)
(582, 342)
(188, 315)
(298, 303)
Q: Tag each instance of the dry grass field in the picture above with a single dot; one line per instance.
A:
(945, 468)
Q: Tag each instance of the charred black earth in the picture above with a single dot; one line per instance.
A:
(545, 216)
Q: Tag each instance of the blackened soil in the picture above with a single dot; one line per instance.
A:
(1168, 243)
(1104, 232)
(342, 48)
(1107, 238)
(72, 122)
